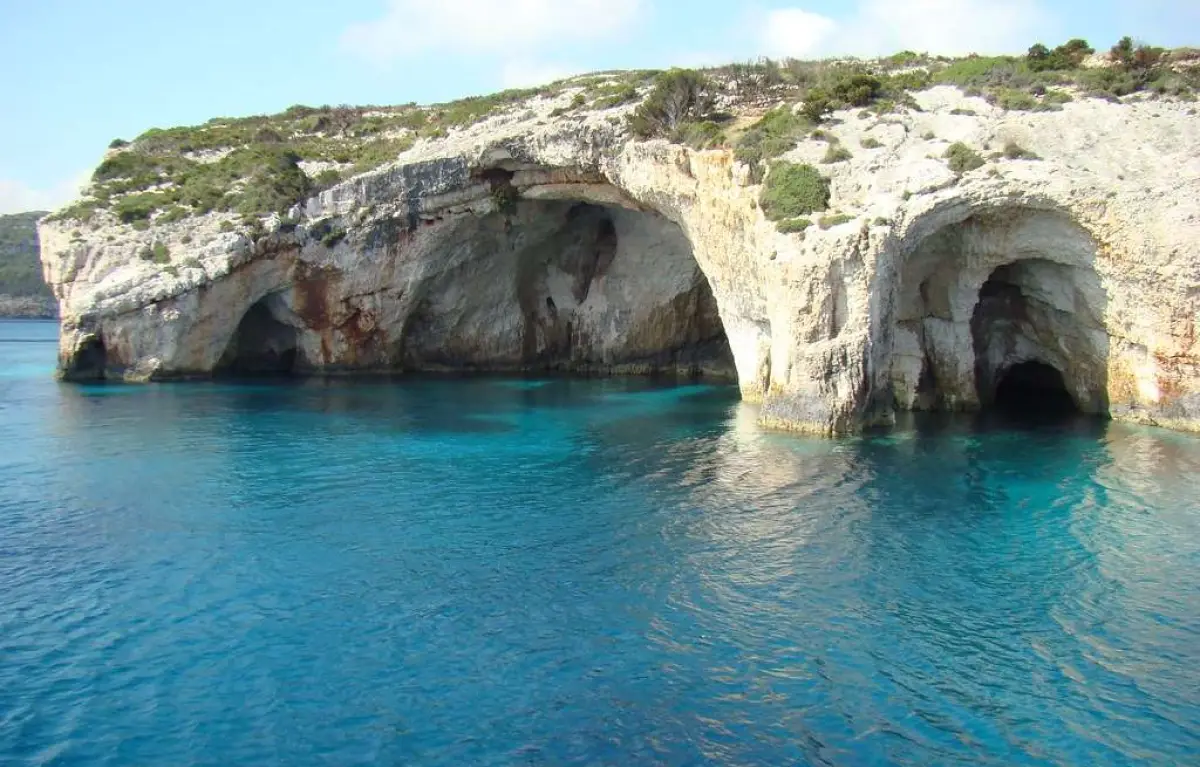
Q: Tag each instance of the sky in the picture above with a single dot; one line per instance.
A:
(79, 73)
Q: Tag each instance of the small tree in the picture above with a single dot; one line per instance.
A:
(817, 104)
(679, 96)
(1077, 49)
(1122, 52)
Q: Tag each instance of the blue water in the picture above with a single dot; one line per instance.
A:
(547, 573)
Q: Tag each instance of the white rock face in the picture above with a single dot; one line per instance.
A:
(535, 243)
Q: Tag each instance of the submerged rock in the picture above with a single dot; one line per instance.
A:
(537, 242)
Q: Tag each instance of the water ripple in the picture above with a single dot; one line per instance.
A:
(493, 573)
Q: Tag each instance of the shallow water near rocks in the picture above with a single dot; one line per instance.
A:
(578, 572)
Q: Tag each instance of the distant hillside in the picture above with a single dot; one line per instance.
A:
(22, 291)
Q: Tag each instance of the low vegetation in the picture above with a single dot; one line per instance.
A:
(20, 270)
(792, 191)
(836, 153)
(794, 225)
(962, 158)
(253, 166)
(828, 222)
(1014, 151)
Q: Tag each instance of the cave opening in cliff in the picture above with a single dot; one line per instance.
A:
(90, 362)
(571, 286)
(1026, 330)
(264, 343)
(1002, 311)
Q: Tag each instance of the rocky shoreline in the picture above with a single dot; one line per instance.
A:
(28, 307)
(961, 241)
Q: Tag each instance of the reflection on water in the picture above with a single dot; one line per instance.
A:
(556, 572)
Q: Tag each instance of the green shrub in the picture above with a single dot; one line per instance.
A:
(870, 142)
(579, 101)
(679, 96)
(277, 182)
(226, 226)
(157, 253)
(776, 132)
(615, 96)
(929, 135)
(962, 158)
(700, 135)
(817, 105)
(836, 153)
(118, 143)
(793, 190)
(1014, 151)
(961, 111)
(793, 225)
(1122, 52)
(171, 215)
(857, 89)
(1067, 56)
(139, 207)
(828, 222)
(1015, 100)
(325, 179)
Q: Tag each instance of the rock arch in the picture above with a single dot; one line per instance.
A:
(998, 292)
(527, 269)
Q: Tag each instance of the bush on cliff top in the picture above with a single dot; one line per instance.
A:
(962, 158)
(791, 191)
(209, 167)
(679, 97)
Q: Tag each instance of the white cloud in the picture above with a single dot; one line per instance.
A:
(876, 27)
(18, 197)
(524, 74)
(412, 27)
(796, 32)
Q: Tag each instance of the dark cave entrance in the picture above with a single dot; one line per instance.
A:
(263, 345)
(1015, 333)
(1033, 390)
(89, 363)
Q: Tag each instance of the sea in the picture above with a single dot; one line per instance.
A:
(511, 571)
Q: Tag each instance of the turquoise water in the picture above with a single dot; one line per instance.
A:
(546, 573)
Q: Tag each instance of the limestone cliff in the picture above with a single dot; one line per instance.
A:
(537, 240)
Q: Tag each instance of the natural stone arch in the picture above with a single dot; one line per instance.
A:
(526, 269)
(985, 291)
(566, 277)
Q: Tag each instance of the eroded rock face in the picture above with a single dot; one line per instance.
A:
(562, 244)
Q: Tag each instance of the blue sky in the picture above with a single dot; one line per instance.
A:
(79, 73)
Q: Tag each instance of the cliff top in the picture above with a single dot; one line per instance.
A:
(253, 166)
